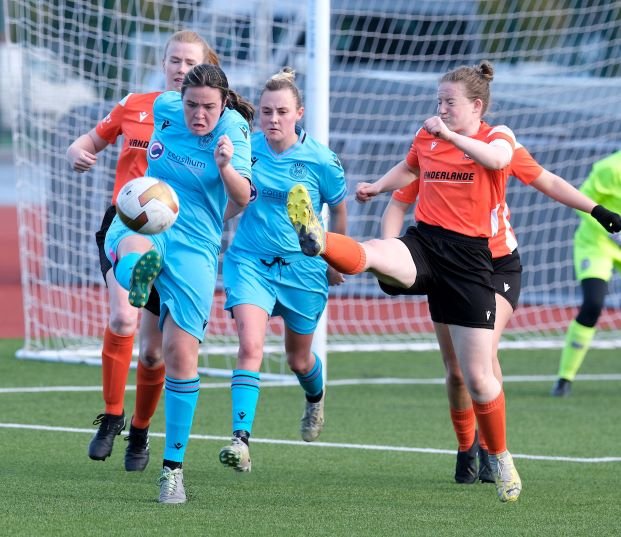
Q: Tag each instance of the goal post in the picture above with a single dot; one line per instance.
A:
(557, 68)
(317, 123)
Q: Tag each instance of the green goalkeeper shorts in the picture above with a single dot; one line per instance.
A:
(596, 257)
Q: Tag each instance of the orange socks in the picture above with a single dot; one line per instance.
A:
(464, 423)
(116, 356)
(149, 383)
(492, 423)
(344, 254)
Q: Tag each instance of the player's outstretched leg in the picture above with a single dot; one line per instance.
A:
(310, 231)
(508, 483)
(144, 273)
(236, 455)
(110, 426)
(171, 486)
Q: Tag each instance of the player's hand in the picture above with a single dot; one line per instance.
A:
(335, 277)
(610, 221)
(81, 160)
(366, 191)
(436, 127)
(223, 151)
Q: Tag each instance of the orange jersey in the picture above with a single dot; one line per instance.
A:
(525, 168)
(455, 192)
(131, 118)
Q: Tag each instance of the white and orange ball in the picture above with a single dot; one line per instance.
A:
(147, 205)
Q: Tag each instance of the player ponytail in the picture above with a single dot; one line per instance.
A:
(244, 107)
(284, 79)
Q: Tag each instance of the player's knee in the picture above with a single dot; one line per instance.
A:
(478, 386)
(590, 310)
(454, 378)
(250, 353)
(151, 355)
(301, 363)
(122, 323)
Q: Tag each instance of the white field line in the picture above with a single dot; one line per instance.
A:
(366, 447)
(339, 382)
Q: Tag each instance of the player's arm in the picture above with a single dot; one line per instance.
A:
(494, 155)
(237, 186)
(82, 153)
(397, 177)
(393, 218)
(560, 190)
(232, 210)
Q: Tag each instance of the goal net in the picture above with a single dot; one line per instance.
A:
(557, 86)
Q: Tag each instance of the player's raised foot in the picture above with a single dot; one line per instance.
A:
(144, 273)
(310, 232)
(466, 466)
(236, 455)
(485, 469)
(561, 388)
(110, 426)
(171, 486)
(312, 420)
(137, 450)
(508, 483)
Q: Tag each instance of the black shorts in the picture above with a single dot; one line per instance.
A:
(153, 304)
(507, 277)
(455, 272)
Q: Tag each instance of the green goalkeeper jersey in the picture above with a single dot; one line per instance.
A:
(603, 186)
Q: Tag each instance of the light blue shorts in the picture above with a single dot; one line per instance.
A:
(187, 280)
(295, 289)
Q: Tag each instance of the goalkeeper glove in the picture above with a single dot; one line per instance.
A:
(610, 221)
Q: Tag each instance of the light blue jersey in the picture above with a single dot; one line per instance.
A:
(265, 228)
(264, 265)
(190, 248)
(186, 163)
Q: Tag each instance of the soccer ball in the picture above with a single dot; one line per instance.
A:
(147, 205)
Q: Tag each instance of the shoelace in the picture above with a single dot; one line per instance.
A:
(504, 469)
(170, 480)
(99, 419)
(105, 422)
(238, 444)
(312, 414)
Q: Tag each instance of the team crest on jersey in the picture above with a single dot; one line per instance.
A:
(298, 170)
(156, 150)
(205, 141)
